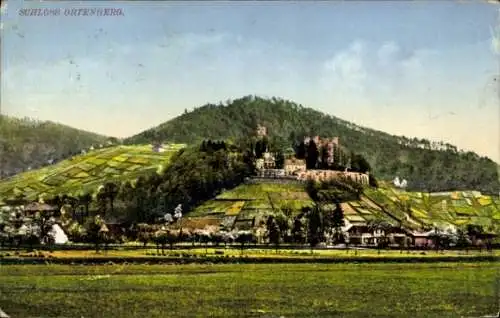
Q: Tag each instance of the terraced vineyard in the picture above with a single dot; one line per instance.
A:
(414, 210)
(86, 172)
(455, 208)
(242, 204)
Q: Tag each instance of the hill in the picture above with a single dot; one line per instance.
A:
(428, 166)
(414, 210)
(29, 144)
(84, 173)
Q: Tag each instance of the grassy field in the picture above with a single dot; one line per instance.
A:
(285, 290)
(86, 172)
(413, 209)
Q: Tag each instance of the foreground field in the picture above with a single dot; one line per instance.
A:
(376, 290)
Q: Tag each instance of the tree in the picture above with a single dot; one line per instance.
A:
(438, 238)
(161, 238)
(172, 237)
(93, 231)
(284, 226)
(315, 226)
(244, 237)
(312, 155)
(338, 157)
(110, 192)
(462, 239)
(45, 222)
(143, 234)
(298, 230)
(280, 160)
(101, 200)
(273, 232)
(337, 222)
(324, 158)
(85, 200)
(380, 229)
(372, 181)
(312, 189)
(359, 163)
(301, 150)
(363, 164)
(76, 232)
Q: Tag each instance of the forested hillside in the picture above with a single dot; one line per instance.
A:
(428, 166)
(27, 143)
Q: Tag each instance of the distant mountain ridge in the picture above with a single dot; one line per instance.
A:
(428, 166)
(29, 144)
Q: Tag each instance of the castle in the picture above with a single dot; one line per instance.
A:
(330, 144)
(296, 168)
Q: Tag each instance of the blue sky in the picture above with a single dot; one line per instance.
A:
(409, 68)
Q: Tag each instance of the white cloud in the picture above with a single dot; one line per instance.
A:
(495, 39)
(346, 69)
(387, 52)
(377, 73)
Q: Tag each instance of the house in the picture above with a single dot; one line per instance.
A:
(354, 232)
(59, 236)
(422, 239)
(115, 228)
(157, 148)
(294, 166)
(34, 207)
(269, 160)
(360, 233)
(259, 164)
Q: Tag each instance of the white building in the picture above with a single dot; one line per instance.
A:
(294, 166)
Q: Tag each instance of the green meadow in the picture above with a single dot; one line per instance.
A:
(242, 290)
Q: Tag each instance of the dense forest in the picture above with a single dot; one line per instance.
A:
(29, 144)
(426, 165)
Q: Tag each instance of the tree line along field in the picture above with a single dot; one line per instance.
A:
(415, 210)
(270, 290)
(84, 173)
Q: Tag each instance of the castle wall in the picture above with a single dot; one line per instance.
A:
(323, 175)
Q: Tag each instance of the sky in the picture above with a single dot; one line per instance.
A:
(413, 68)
